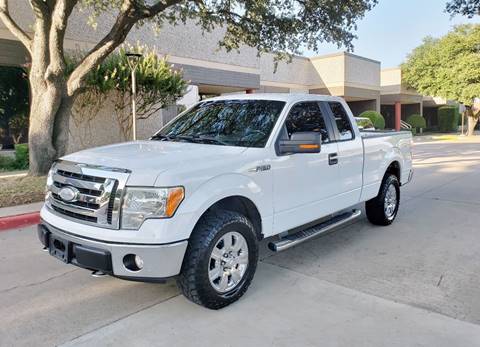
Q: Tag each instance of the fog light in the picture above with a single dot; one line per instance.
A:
(139, 262)
(133, 262)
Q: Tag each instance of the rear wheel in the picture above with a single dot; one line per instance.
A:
(383, 209)
(220, 261)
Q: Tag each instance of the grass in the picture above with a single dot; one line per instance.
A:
(21, 190)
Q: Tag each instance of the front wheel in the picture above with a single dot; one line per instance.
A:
(220, 260)
(383, 209)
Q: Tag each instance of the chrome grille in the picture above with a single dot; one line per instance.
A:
(97, 193)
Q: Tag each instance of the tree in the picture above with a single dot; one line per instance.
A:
(282, 26)
(467, 8)
(158, 86)
(448, 67)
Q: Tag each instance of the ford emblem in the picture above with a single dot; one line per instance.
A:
(68, 194)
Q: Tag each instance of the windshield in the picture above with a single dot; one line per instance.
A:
(245, 123)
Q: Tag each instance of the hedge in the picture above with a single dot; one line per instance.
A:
(20, 162)
(376, 118)
(417, 122)
(21, 156)
(447, 119)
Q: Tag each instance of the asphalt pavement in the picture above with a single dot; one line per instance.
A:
(413, 283)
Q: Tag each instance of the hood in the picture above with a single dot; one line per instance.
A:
(147, 159)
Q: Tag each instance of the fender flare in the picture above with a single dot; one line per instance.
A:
(214, 190)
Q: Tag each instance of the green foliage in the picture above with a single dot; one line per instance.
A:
(20, 162)
(158, 84)
(7, 163)
(447, 67)
(21, 156)
(269, 26)
(467, 8)
(417, 122)
(376, 118)
(447, 119)
(364, 123)
(18, 127)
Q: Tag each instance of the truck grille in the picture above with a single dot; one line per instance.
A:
(86, 194)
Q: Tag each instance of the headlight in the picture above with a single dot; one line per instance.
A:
(143, 203)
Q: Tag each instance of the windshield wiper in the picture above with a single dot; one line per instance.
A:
(162, 137)
(188, 138)
(199, 139)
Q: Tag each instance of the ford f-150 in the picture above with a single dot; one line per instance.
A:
(194, 201)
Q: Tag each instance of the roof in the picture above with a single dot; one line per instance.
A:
(287, 97)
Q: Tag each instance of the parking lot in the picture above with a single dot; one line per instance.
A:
(413, 283)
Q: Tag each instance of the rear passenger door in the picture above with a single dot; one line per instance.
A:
(305, 186)
(350, 154)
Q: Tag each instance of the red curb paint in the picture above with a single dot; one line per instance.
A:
(18, 221)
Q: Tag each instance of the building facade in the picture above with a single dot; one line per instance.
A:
(212, 71)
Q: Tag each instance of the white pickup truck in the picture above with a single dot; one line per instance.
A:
(195, 200)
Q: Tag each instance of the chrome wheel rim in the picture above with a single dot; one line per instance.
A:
(390, 203)
(228, 262)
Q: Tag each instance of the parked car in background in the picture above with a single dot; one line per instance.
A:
(364, 123)
(195, 200)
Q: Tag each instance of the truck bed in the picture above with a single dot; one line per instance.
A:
(379, 147)
(381, 133)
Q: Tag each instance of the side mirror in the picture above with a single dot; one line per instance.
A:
(301, 142)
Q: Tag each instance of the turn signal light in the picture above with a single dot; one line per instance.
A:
(310, 146)
(175, 197)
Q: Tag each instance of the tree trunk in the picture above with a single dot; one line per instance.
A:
(46, 100)
(472, 122)
(61, 128)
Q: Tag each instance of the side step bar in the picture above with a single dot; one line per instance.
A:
(304, 235)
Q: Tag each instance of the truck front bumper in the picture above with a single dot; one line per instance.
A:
(158, 261)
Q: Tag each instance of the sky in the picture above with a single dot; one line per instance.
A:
(393, 28)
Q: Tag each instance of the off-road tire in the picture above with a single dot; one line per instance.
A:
(193, 280)
(375, 207)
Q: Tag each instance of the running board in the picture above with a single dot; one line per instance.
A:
(307, 234)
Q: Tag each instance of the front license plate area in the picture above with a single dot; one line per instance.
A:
(59, 248)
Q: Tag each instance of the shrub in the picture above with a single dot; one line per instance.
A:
(376, 118)
(7, 163)
(417, 122)
(20, 162)
(447, 119)
(21, 156)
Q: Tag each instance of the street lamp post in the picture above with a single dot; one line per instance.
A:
(133, 60)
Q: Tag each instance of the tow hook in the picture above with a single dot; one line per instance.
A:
(98, 274)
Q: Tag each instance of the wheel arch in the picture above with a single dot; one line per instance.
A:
(242, 205)
(394, 168)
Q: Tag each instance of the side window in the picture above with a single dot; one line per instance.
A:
(342, 120)
(306, 116)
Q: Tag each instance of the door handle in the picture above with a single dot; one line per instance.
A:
(333, 159)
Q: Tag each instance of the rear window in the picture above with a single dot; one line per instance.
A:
(342, 121)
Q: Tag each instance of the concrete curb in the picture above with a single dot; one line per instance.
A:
(18, 221)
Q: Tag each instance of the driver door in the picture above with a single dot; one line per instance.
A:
(305, 184)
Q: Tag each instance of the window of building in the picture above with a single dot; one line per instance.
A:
(342, 121)
(307, 116)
